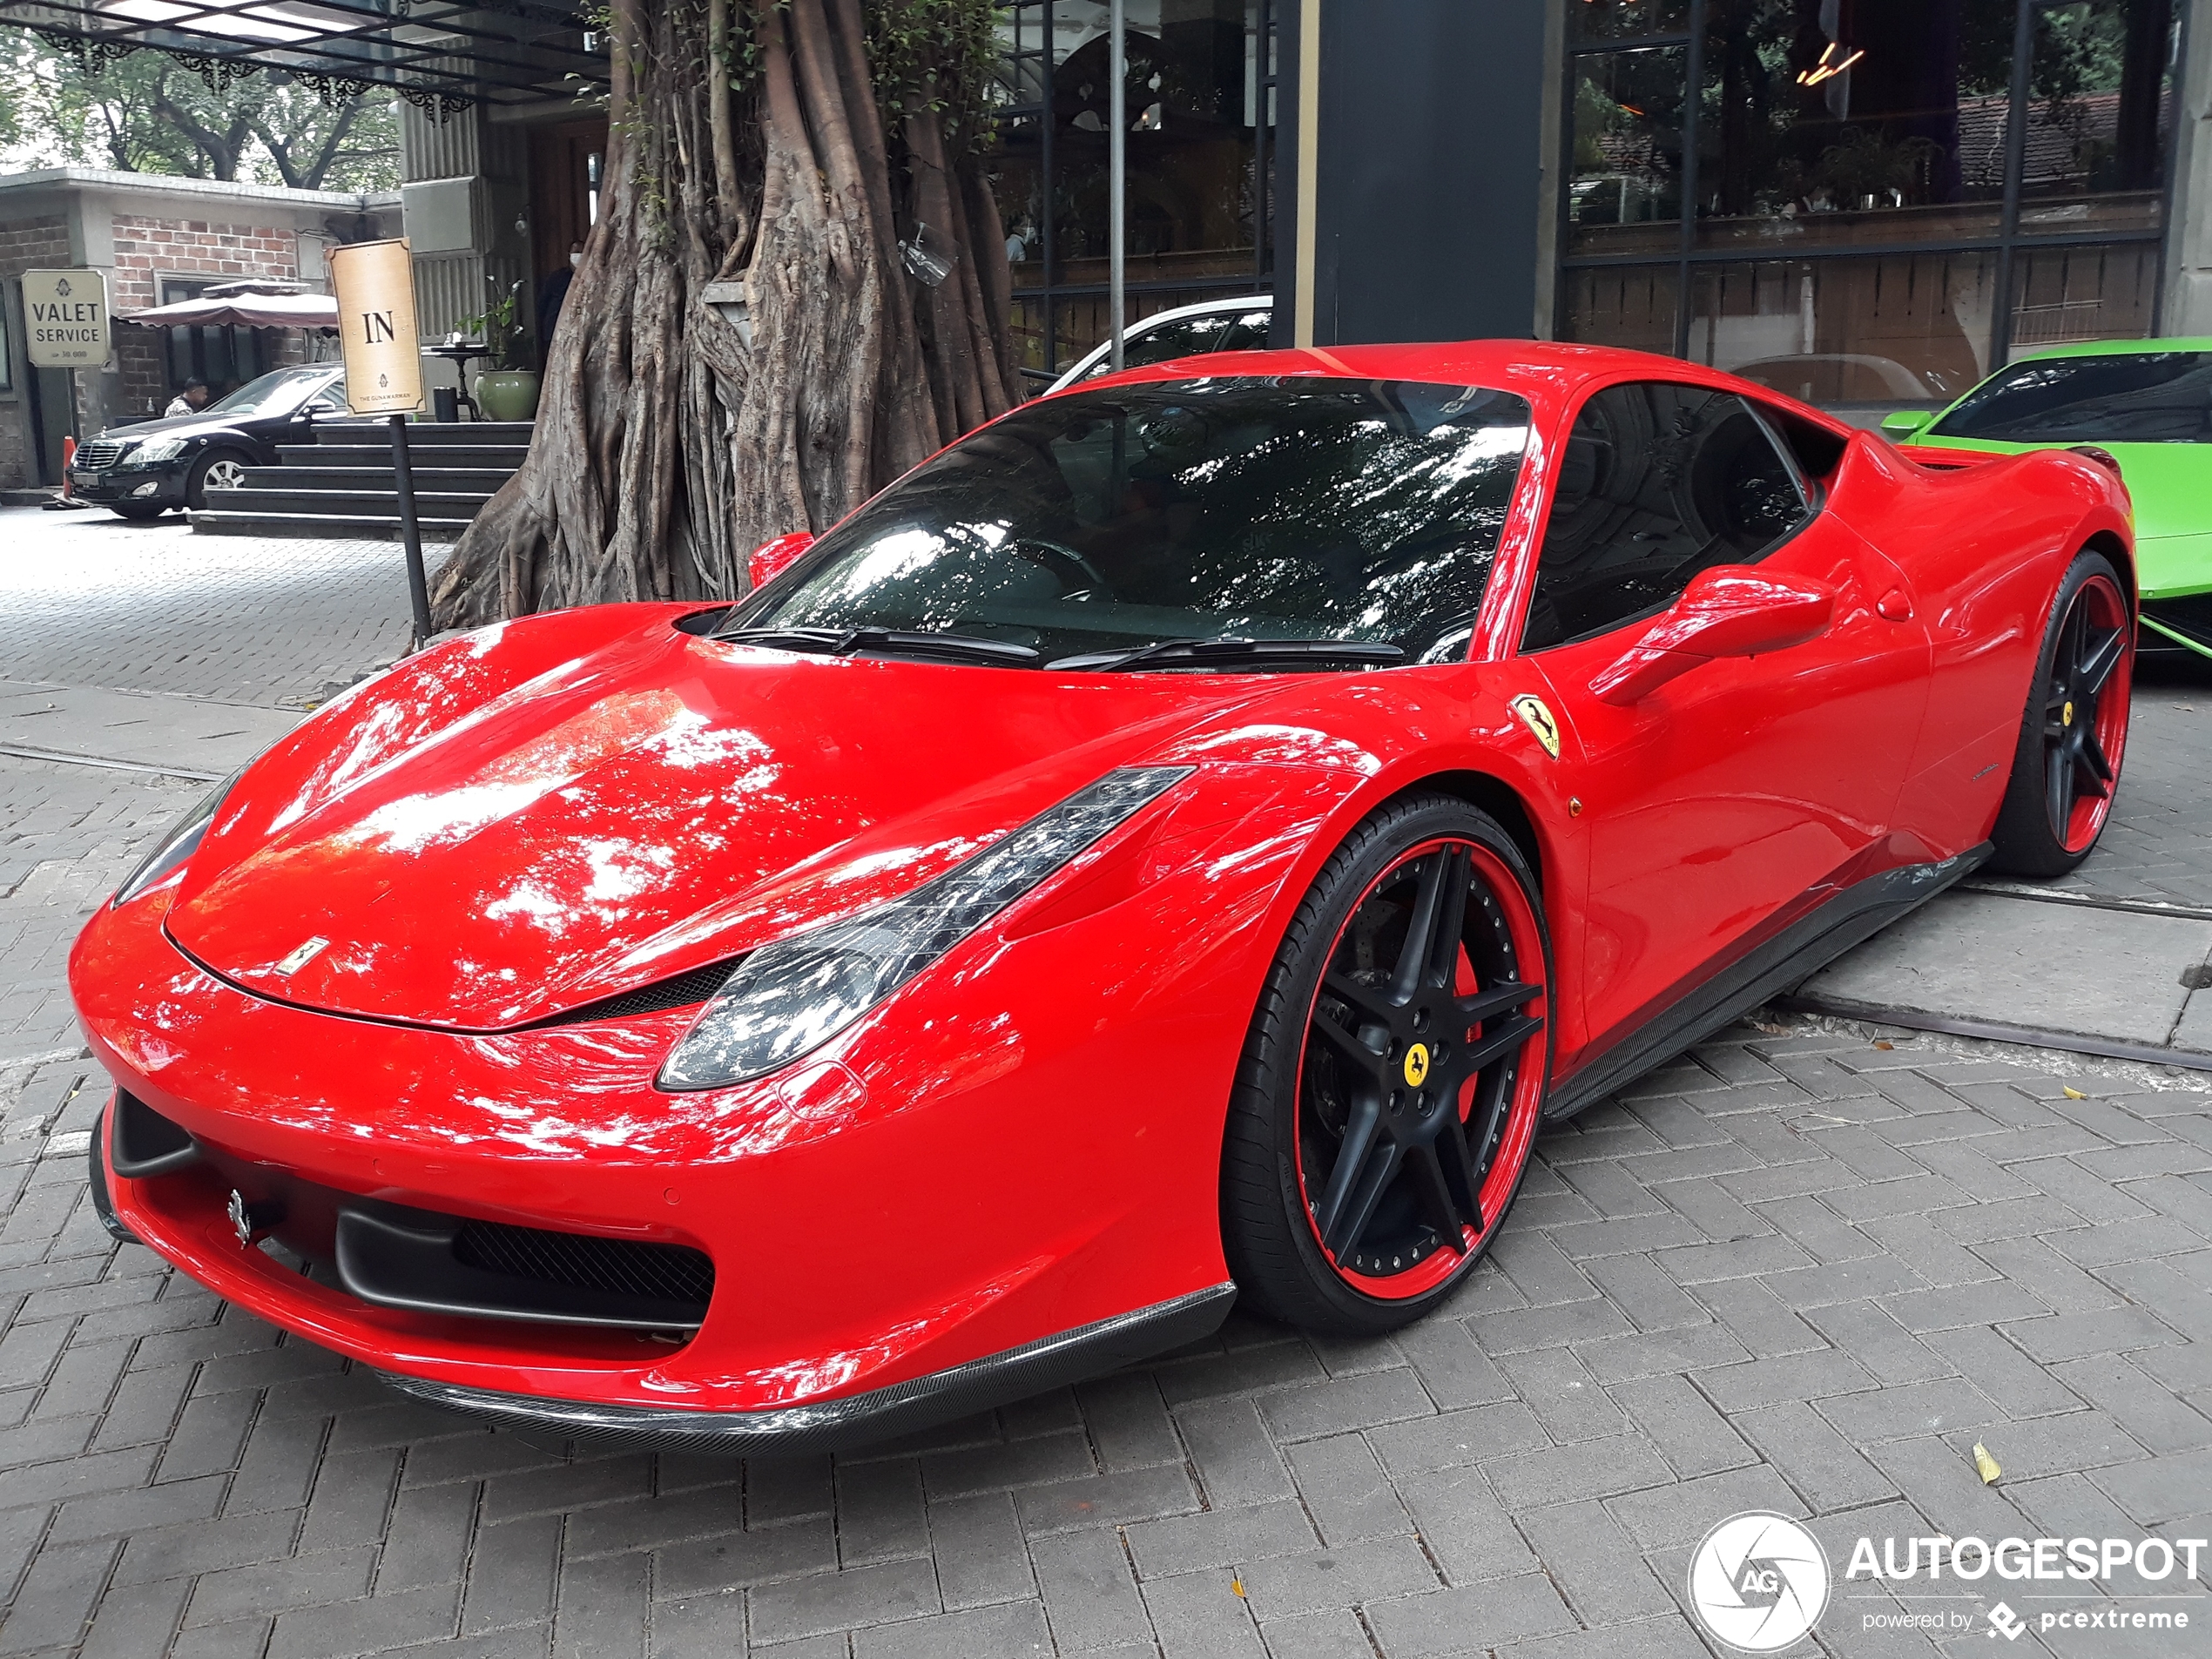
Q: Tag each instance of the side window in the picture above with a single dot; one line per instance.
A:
(1658, 482)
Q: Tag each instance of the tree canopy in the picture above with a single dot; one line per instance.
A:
(149, 113)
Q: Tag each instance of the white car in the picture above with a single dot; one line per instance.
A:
(1235, 324)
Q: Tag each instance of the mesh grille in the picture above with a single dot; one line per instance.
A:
(98, 454)
(667, 1272)
(678, 993)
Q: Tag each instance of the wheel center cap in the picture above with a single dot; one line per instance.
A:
(1417, 1065)
(2065, 715)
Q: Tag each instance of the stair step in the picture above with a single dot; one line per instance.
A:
(324, 526)
(422, 435)
(507, 457)
(461, 504)
(467, 480)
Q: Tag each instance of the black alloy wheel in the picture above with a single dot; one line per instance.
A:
(2066, 767)
(1394, 1074)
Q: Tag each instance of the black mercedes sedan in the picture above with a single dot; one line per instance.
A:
(143, 471)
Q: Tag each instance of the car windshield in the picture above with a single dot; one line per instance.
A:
(1220, 508)
(2129, 397)
(278, 392)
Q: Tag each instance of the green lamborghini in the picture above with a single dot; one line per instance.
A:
(2149, 403)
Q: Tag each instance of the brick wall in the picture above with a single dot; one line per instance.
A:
(26, 244)
(147, 248)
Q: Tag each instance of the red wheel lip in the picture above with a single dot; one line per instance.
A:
(1521, 1114)
(2086, 822)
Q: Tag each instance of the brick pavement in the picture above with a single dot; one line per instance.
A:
(91, 599)
(1801, 1271)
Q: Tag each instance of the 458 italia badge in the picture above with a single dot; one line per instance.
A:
(1538, 719)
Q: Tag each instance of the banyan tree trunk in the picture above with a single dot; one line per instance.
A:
(668, 445)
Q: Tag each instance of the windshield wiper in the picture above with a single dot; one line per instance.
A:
(847, 641)
(1233, 655)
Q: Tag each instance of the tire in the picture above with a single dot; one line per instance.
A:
(223, 464)
(139, 513)
(1306, 1242)
(2073, 734)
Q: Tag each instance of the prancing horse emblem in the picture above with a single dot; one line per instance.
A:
(310, 948)
(1538, 719)
(241, 1220)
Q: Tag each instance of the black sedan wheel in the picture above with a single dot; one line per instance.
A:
(1394, 1076)
(219, 469)
(2066, 767)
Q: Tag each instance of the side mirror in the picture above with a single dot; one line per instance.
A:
(1900, 424)
(772, 559)
(1728, 610)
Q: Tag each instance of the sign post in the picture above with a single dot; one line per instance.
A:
(374, 283)
(66, 318)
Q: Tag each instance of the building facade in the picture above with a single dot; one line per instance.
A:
(1862, 202)
(159, 239)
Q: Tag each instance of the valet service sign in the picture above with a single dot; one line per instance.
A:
(1761, 1582)
(66, 318)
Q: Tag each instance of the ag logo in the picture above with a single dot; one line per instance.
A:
(1758, 1582)
(2005, 1622)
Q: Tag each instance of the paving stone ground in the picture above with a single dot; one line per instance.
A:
(1805, 1270)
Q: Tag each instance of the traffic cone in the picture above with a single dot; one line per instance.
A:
(69, 460)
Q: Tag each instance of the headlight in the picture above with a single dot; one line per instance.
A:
(158, 449)
(795, 994)
(181, 842)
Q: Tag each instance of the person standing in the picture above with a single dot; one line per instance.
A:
(190, 401)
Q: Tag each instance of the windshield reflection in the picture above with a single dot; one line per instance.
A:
(1244, 507)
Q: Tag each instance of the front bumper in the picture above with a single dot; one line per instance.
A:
(129, 486)
(881, 1257)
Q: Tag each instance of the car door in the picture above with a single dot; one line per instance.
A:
(1729, 800)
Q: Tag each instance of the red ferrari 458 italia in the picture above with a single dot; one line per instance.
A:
(1175, 845)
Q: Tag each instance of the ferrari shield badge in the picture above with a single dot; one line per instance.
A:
(1538, 719)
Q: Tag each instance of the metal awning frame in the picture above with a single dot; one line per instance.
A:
(441, 56)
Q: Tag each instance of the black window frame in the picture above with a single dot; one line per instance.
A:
(1811, 498)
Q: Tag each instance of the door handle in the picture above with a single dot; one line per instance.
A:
(1895, 605)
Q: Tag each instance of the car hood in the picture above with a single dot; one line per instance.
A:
(178, 426)
(626, 815)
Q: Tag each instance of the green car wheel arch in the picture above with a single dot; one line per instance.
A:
(2149, 403)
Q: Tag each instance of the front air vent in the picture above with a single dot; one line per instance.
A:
(685, 991)
(580, 1261)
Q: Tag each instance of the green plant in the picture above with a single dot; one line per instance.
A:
(500, 327)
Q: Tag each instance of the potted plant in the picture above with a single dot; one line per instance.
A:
(509, 389)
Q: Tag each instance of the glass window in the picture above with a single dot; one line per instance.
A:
(1624, 189)
(1658, 482)
(1902, 328)
(2062, 295)
(1628, 306)
(1200, 107)
(1245, 507)
(1626, 19)
(2101, 109)
(1852, 126)
(1212, 331)
(2132, 397)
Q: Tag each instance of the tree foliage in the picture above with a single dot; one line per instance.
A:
(149, 113)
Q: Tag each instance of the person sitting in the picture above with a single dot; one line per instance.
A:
(190, 401)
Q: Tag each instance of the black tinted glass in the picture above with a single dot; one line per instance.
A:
(2135, 397)
(1185, 337)
(1658, 482)
(1267, 508)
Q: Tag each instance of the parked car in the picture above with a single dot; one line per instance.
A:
(2145, 402)
(1239, 324)
(142, 471)
(1169, 849)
